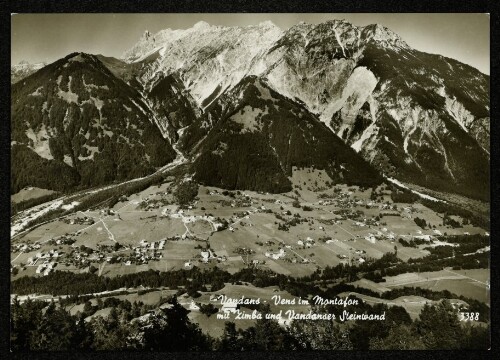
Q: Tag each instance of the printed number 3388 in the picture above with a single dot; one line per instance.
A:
(469, 316)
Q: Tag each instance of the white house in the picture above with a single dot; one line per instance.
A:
(370, 238)
(229, 307)
(423, 237)
(205, 255)
(284, 322)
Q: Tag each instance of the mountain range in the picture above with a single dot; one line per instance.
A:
(244, 105)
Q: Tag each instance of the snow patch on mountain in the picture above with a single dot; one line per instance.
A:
(359, 87)
(458, 112)
(247, 117)
(66, 120)
(37, 92)
(32, 214)
(70, 206)
(39, 142)
(369, 133)
(92, 149)
(423, 196)
(206, 57)
(67, 159)
(77, 58)
(68, 96)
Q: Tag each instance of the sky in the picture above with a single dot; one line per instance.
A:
(48, 37)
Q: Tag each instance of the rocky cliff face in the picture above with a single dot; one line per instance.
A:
(414, 116)
(23, 70)
(408, 113)
(260, 135)
(208, 59)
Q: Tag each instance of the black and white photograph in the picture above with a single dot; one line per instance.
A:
(249, 182)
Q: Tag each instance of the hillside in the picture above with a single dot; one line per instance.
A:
(261, 135)
(74, 124)
(408, 113)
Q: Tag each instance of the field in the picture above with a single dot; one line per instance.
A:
(296, 233)
(214, 326)
(412, 304)
(29, 194)
(210, 325)
(469, 283)
(331, 225)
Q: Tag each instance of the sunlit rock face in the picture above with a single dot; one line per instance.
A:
(416, 116)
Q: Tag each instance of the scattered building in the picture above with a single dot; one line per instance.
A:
(229, 307)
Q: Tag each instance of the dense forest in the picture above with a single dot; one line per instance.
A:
(438, 326)
(260, 135)
(74, 124)
(36, 325)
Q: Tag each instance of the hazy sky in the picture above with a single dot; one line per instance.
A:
(48, 37)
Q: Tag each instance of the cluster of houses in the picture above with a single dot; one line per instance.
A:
(243, 200)
(357, 257)
(307, 243)
(82, 257)
(367, 222)
(145, 252)
(280, 254)
(152, 204)
(243, 251)
(62, 240)
(380, 235)
(23, 247)
(206, 255)
(51, 254)
(154, 245)
(46, 268)
(85, 220)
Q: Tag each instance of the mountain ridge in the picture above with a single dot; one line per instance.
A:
(74, 118)
(404, 111)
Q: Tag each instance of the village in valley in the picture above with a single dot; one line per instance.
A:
(315, 226)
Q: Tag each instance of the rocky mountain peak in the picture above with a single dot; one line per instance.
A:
(267, 24)
(400, 109)
(383, 35)
(200, 25)
(146, 35)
